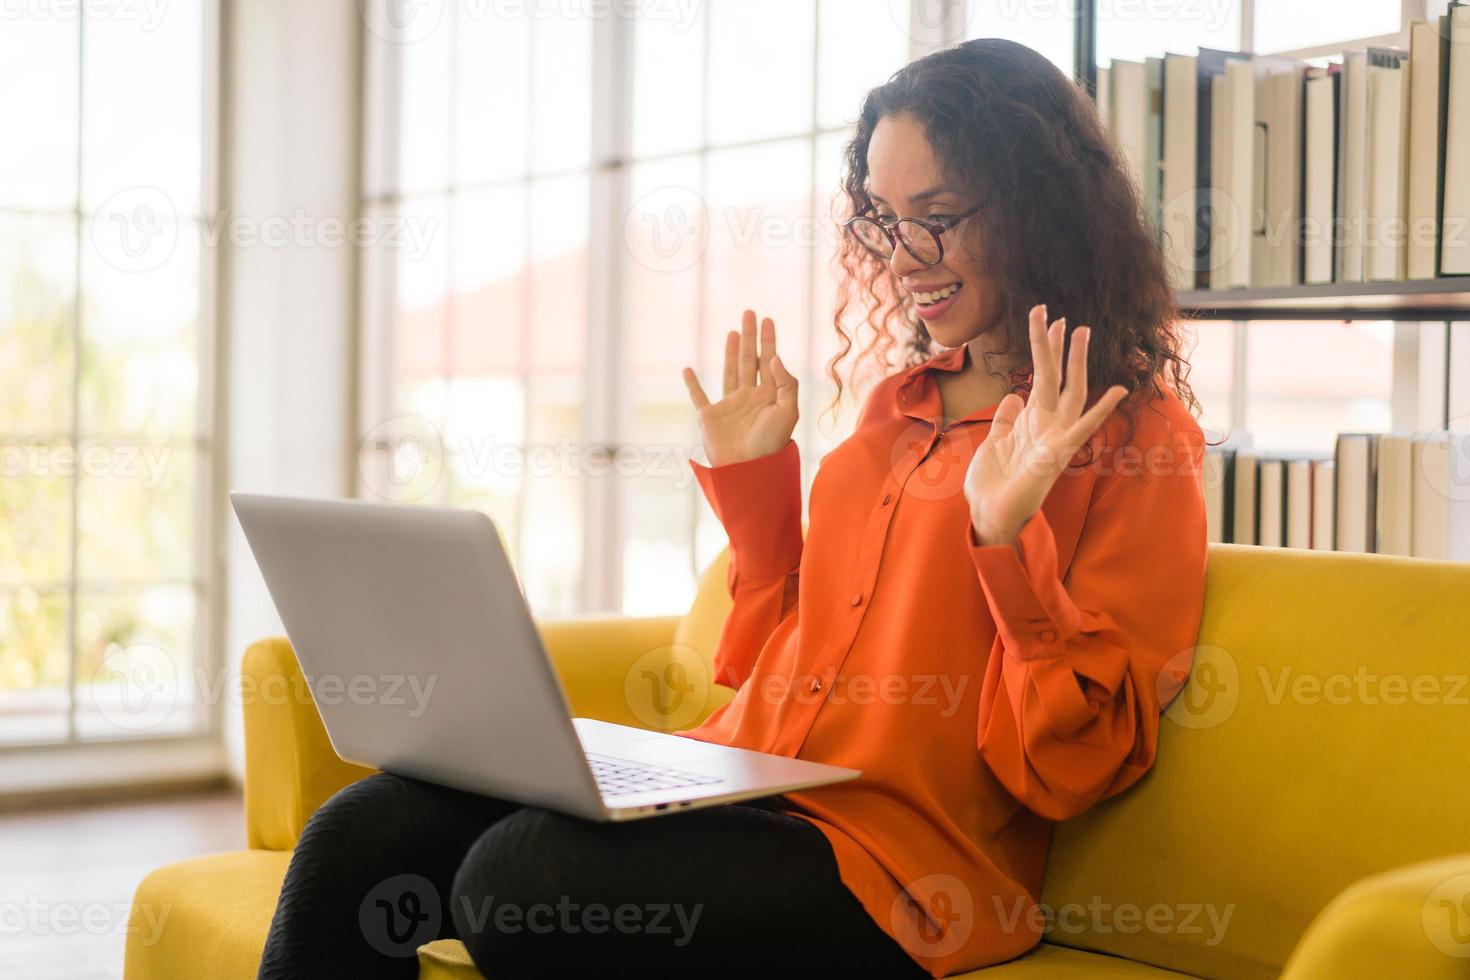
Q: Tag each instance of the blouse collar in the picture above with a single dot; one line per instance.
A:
(918, 398)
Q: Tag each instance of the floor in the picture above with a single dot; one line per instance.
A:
(67, 877)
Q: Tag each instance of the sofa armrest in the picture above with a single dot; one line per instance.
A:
(1412, 921)
(291, 768)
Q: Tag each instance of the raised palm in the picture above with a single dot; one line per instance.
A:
(1031, 441)
(757, 413)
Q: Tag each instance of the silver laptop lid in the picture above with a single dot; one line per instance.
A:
(419, 647)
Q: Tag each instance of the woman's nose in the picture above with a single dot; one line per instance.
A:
(902, 262)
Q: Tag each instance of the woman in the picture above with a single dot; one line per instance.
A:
(997, 594)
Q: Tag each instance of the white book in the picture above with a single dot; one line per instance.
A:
(1320, 199)
(1352, 157)
(1128, 107)
(1153, 154)
(1324, 492)
(1426, 103)
(1356, 486)
(1454, 251)
(1384, 254)
(1222, 210)
(1216, 470)
(1236, 152)
(1271, 504)
(1178, 206)
(1441, 508)
(1185, 215)
(1299, 503)
(1277, 177)
(1394, 505)
(1243, 521)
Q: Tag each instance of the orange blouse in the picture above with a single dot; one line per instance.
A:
(984, 691)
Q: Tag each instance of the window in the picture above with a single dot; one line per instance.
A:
(1135, 31)
(105, 420)
(1047, 27)
(1311, 23)
(1309, 380)
(526, 359)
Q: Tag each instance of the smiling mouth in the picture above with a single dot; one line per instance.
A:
(938, 295)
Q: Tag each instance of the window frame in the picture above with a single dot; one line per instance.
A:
(69, 759)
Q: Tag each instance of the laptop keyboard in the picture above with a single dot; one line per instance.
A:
(616, 777)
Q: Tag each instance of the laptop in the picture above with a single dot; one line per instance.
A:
(423, 659)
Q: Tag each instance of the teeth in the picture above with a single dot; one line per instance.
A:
(926, 299)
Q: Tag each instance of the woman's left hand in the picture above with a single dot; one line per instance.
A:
(1031, 441)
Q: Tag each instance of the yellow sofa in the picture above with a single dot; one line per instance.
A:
(1308, 815)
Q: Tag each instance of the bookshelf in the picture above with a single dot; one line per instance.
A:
(1445, 298)
(1416, 299)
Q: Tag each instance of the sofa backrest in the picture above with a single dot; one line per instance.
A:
(1323, 737)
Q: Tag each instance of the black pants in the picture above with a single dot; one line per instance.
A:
(390, 863)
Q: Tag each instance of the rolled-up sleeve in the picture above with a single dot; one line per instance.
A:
(1070, 704)
(758, 502)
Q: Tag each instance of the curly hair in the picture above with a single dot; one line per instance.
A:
(1060, 221)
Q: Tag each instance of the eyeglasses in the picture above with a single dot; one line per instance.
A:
(921, 239)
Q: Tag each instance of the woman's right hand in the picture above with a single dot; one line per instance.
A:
(758, 412)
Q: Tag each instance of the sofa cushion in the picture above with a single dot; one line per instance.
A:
(1320, 740)
(204, 917)
(447, 959)
(1048, 962)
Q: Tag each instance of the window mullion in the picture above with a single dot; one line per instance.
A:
(76, 397)
(604, 418)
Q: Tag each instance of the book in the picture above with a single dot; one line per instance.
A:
(1153, 147)
(1454, 249)
(1393, 516)
(1441, 496)
(1185, 209)
(1103, 100)
(1235, 152)
(1244, 494)
(1355, 463)
(1428, 76)
(1299, 502)
(1128, 107)
(1271, 502)
(1324, 496)
(1218, 478)
(1177, 209)
(1352, 165)
(1277, 179)
(1384, 254)
(1319, 202)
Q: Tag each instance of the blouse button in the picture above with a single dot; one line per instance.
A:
(887, 497)
(816, 684)
(1048, 636)
(857, 598)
